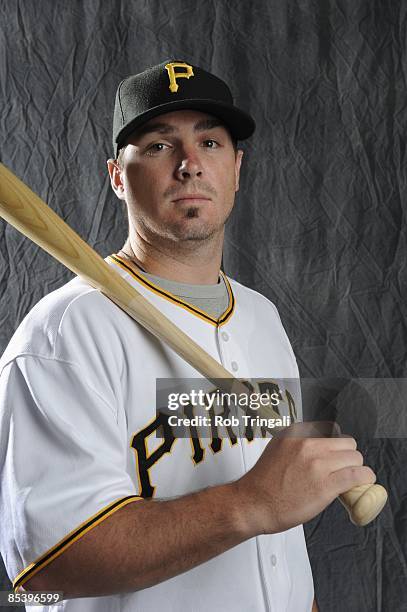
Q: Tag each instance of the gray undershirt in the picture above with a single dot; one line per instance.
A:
(212, 299)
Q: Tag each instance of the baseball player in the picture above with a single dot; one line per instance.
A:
(93, 503)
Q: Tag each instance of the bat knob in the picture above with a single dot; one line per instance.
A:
(364, 503)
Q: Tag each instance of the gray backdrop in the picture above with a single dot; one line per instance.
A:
(319, 226)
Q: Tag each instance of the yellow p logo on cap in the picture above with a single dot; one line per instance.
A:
(173, 75)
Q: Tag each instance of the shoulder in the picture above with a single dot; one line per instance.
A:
(73, 309)
(250, 298)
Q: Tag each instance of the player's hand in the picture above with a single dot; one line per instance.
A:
(297, 476)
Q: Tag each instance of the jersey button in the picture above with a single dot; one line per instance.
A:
(225, 336)
(234, 366)
(273, 560)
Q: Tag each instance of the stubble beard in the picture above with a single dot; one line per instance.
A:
(197, 232)
(188, 232)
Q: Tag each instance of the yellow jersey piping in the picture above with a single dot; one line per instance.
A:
(68, 540)
(176, 300)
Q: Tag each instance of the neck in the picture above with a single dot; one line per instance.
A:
(195, 263)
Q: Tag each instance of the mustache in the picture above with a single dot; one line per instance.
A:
(202, 188)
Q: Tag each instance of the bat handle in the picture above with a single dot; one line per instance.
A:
(364, 503)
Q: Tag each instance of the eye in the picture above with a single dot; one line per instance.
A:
(156, 147)
(211, 144)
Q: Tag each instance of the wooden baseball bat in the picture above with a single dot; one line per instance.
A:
(23, 209)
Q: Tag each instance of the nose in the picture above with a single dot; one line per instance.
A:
(189, 166)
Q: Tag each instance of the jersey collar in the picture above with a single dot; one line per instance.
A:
(137, 274)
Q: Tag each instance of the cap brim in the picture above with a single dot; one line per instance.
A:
(240, 124)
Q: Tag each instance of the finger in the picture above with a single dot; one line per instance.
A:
(344, 443)
(340, 459)
(345, 479)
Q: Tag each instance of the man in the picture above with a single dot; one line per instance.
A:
(95, 505)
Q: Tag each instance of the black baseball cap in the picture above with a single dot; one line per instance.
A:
(175, 85)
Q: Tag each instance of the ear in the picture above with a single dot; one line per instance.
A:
(116, 178)
(238, 163)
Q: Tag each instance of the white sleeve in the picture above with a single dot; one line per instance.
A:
(62, 461)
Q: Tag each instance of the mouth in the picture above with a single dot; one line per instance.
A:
(192, 197)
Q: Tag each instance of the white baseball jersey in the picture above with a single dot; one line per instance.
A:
(77, 414)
